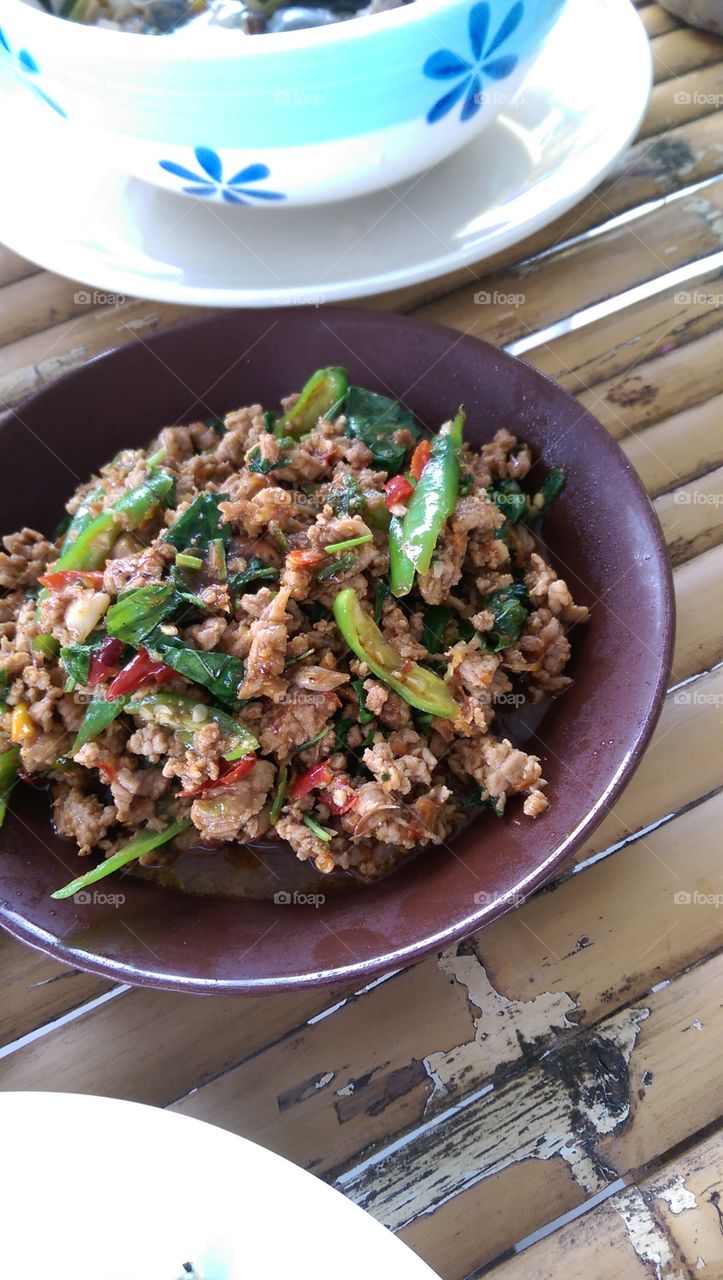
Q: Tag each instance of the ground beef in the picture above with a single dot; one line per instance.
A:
(80, 816)
(24, 559)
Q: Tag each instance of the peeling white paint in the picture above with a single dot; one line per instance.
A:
(538, 1115)
(346, 1091)
(323, 1081)
(700, 1264)
(500, 1024)
(697, 1024)
(676, 1195)
(647, 1238)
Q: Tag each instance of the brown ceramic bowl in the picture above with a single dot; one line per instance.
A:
(602, 534)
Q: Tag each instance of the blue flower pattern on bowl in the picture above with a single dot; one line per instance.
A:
(27, 66)
(447, 65)
(211, 182)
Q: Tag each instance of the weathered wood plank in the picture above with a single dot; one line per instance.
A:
(35, 989)
(636, 1073)
(699, 607)
(589, 271)
(668, 1221)
(657, 21)
(30, 364)
(682, 51)
(676, 102)
(680, 448)
(602, 353)
(152, 1046)
(563, 960)
(40, 302)
(691, 516)
(13, 267)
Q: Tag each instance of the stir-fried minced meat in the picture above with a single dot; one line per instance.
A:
(241, 650)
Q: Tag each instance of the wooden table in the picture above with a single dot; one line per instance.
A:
(560, 1072)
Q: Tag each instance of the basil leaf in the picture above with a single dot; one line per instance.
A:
(365, 716)
(200, 524)
(510, 607)
(136, 613)
(436, 617)
(509, 497)
(256, 570)
(218, 672)
(373, 419)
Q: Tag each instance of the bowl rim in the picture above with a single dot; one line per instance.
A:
(90, 39)
(400, 956)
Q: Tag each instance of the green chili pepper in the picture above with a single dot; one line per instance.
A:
(176, 711)
(82, 518)
(419, 687)
(278, 804)
(91, 547)
(99, 714)
(431, 504)
(321, 397)
(141, 844)
(401, 569)
(9, 761)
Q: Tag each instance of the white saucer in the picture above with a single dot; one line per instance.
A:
(100, 1189)
(67, 209)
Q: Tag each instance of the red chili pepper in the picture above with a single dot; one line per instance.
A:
(320, 775)
(233, 774)
(55, 581)
(347, 798)
(108, 771)
(397, 490)
(140, 670)
(420, 458)
(104, 663)
(307, 559)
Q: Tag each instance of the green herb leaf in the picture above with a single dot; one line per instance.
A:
(510, 607)
(99, 714)
(9, 761)
(336, 567)
(141, 844)
(551, 488)
(320, 832)
(382, 592)
(436, 617)
(346, 499)
(310, 742)
(261, 466)
(200, 524)
(136, 613)
(218, 672)
(373, 419)
(256, 570)
(342, 725)
(278, 802)
(365, 716)
(510, 498)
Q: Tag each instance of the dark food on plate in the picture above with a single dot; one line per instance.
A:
(253, 17)
(305, 622)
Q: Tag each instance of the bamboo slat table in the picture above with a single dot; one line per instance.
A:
(558, 1076)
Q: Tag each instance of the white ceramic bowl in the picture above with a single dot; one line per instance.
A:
(300, 117)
